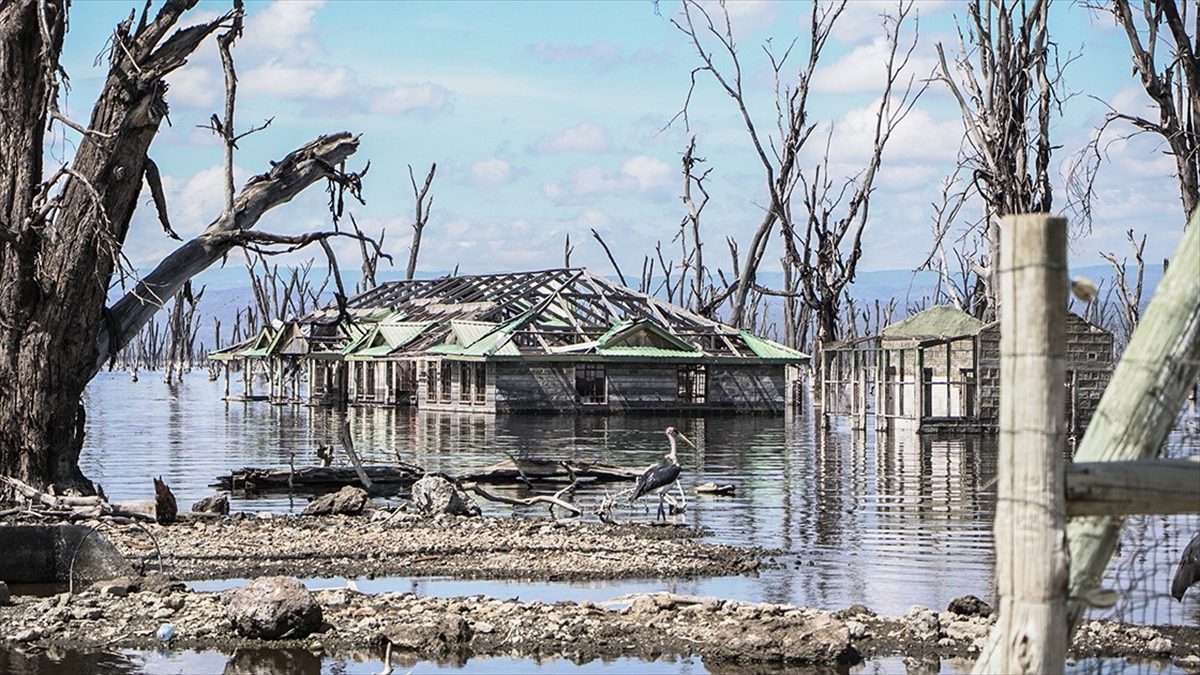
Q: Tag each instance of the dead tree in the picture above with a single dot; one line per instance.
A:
(826, 254)
(62, 230)
(181, 333)
(714, 44)
(694, 260)
(1131, 298)
(424, 204)
(1172, 80)
(1006, 94)
(370, 258)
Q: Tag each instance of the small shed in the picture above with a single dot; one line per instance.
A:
(939, 371)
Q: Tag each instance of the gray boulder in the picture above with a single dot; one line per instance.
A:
(272, 608)
(433, 495)
(214, 504)
(349, 501)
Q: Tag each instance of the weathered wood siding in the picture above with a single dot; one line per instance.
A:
(533, 387)
(750, 388)
(642, 386)
(541, 387)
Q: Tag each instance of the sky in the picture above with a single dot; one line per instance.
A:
(548, 119)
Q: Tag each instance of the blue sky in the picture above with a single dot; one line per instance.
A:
(546, 119)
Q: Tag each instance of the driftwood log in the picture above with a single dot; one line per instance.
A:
(162, 509)
(390, 478)
(254, 479)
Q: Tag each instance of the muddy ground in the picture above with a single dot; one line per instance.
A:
(730, 636)
(384, 543)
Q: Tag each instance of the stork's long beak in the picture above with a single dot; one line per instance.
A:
(685, 439)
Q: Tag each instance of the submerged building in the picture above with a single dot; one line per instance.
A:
(557, 340)
(939, 370)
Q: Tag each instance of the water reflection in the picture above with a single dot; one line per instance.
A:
(889, 520)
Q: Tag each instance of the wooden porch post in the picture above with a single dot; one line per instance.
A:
(1030, 635)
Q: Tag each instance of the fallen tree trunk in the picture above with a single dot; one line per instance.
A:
(309, 477)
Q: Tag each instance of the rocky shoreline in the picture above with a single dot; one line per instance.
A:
(726, 634)
(648, 627)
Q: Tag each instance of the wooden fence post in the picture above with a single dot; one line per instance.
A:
(1141, 402)
(1030, 635)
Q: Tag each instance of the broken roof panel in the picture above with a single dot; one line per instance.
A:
(939, 322)
(771, 350)
(545, 313)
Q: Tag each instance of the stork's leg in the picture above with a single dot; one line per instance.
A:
(682, 495)
(661, 511)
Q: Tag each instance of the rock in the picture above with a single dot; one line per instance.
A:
(28, 635)
(969, 605)
(218, 503)
(118, 588)
(271, 608)
(922, 623)
(483, 627)
(433, 495)
(5, 596)
(858, 630)
(1160, 645)
(965, 630)
(349, 501)
(436, 633)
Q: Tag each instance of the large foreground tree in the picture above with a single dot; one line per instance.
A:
(62, 228)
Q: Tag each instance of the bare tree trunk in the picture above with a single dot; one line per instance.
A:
(422, 209)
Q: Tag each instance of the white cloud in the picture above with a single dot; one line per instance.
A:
(639, 175)
(747, 14)
(307, 82)
(583, 137)
(196, 86)
(491, 171)
(649, 173)
(863, 19)
(409, 97)
(285, 28)
(592, 219)
(864, 69)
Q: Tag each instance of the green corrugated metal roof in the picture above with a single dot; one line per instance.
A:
(936, 322)
(771, 350)
(445, 349)
(647, 352)
(625, 329)
(397, 334)
(483, 338)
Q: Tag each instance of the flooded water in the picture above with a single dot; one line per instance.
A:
(58, 661)
(886, 521)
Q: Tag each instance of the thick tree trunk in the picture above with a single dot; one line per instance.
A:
(41, 418)
(61, 240)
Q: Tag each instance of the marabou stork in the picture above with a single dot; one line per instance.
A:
(660, 477)
(1189, 569)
